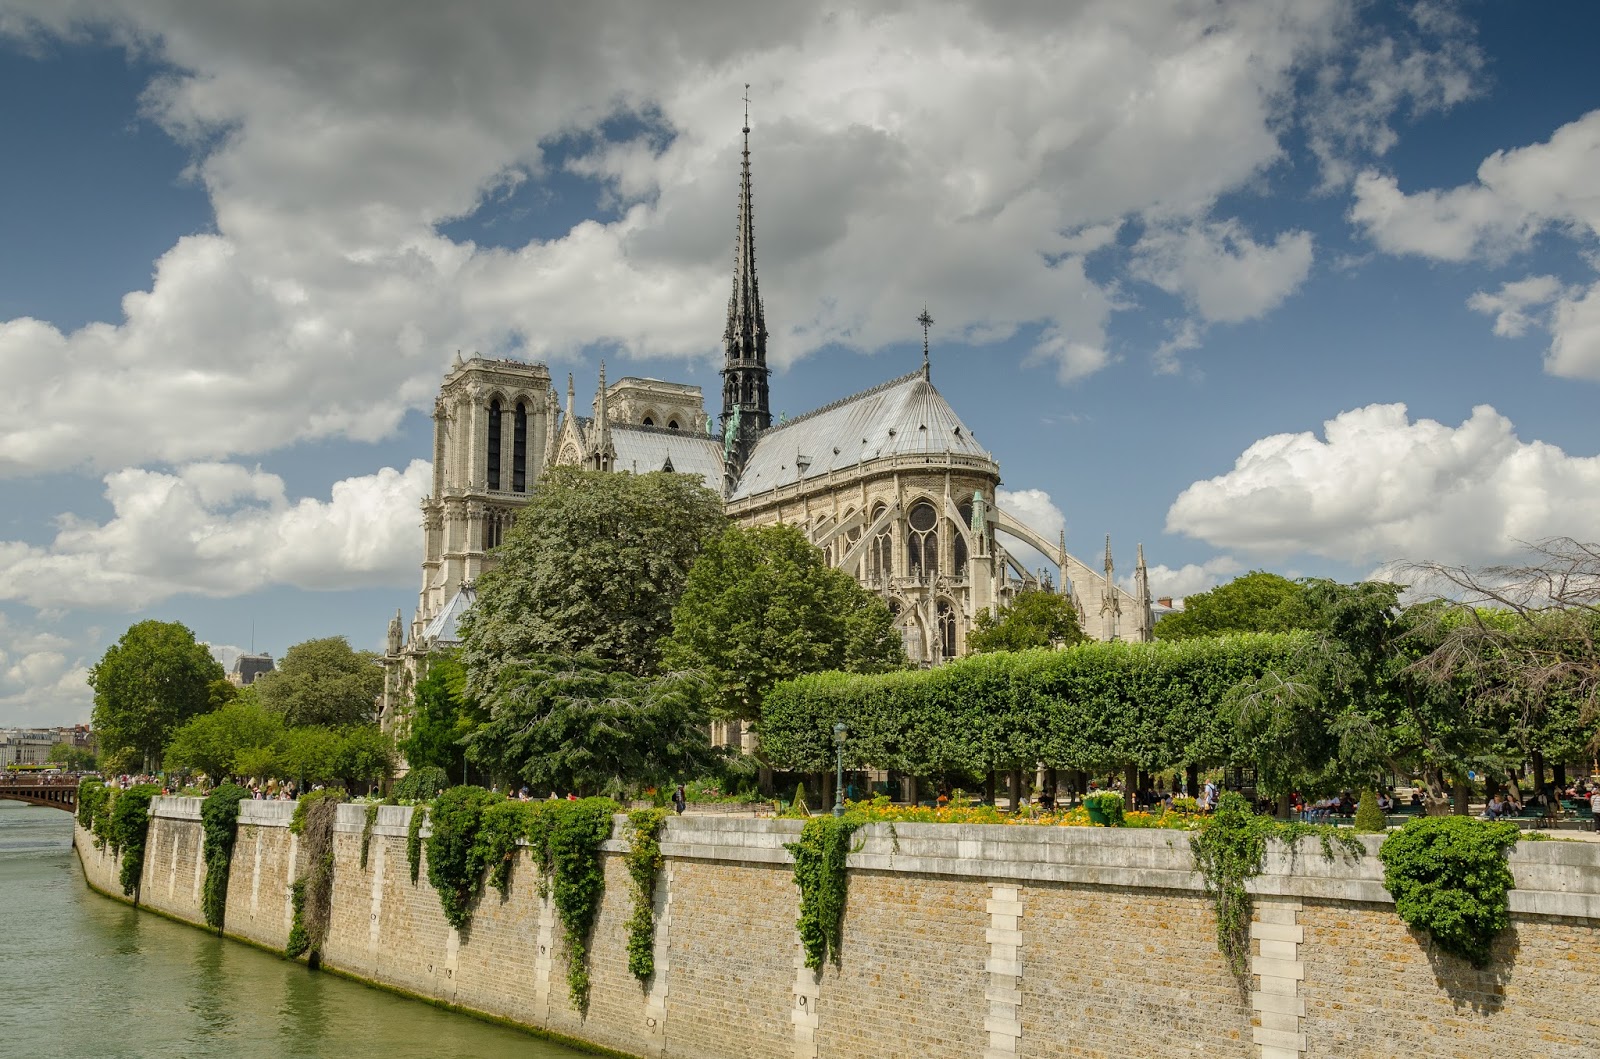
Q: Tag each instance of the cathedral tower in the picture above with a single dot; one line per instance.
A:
(746, 411)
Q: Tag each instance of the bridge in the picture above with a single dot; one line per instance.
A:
(55, 794)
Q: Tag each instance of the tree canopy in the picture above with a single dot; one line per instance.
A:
(1035, 618)
(594, 564)
(148, 683)
(575, 723)
(1255, 602)
(762, 605)
(442, 715)
(213, 743)
(323, 682)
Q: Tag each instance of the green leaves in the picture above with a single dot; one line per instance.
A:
(453, 869)
(644, 862)
(820, 873)
(594, 564)
(761, 605)
(1449, 875)
(1255, 602)
(148, 683)
(323, 682)
(128, 824)
(1035, 619)
(219, 819)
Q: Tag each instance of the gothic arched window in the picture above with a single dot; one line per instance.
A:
(880, 557)
(519, 450)
(922, 539)
(494, 443)
(649, 422)
(947, 630)
(672, 424)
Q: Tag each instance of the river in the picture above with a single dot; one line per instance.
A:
(88, 976)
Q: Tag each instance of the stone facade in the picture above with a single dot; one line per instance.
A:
(972, 941)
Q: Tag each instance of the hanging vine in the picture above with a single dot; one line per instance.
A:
(366, 832)
(219, 820)
(1230, 849)
(455, 867)
(311, 895)
(644, 868)
(419, 816)
(127, 828)
(575, 833)
(819, 871)
(93, 795)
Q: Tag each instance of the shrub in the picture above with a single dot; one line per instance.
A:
(1110, 803)
(1449, 876)
(128, 824)
(819, 872)
(422, 785)
(644, 866)
(1369, 818)
(92, 798)
(453, 869)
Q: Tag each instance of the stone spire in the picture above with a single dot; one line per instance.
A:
(927, 321)
(602, 424)
(1110, 605)
(1141, 592)
(746, 411)
(570, 393)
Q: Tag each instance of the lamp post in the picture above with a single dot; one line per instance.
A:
(838, 754)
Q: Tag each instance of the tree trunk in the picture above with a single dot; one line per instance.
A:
(1538, 771)
(1017, 789)
(1130, 786)
(1558, 776)
(911, 789)
(1436, 797)
(826, 805)
(1191, 781)
(988, 787)
(1462, 794)
(1283, 807)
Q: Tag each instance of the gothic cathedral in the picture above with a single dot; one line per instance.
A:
(889, 483)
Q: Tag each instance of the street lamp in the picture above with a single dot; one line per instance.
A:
(838, 785)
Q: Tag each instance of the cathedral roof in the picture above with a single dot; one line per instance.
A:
(902, 417)
(641, 448)
(442, 628)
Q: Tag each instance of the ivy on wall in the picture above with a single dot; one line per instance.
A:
(419, 816)
(219, 821)
(1449, 876)
(644, 862)
(819, 871)
(366, 832)
(127, 828)
(1230, 848)
(455, 867)
(92, 798)
(311, 894)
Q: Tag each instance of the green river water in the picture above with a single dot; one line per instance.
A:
(84, 975)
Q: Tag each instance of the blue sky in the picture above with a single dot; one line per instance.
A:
(1309, 287)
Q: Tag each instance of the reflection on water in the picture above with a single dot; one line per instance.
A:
(89, 976)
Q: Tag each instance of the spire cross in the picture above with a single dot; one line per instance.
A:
(926, 321)
(747, 106)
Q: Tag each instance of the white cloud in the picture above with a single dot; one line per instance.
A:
(1175, 583)
(967, 156)
(1380, 487)
(221, 530)
(43, 675)
(1224, 274)
(1519, 194)
(1510, 305)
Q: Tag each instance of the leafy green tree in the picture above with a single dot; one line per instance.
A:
(1256, 602)
(311, 755)
(594, 564)
(323, 682)
(148, 683)
(1034, 619)
(365, 757)
(761, 605)
(72, 758)
(573, 723)
(442, 715)
(213, 743)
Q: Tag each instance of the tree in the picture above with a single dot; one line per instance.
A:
(1034, 619)
(574, 723)
(72, 758)
(595, 563)
(442, 715)
(148, 683)
(215, 743)
(761, 605)
(1256, 602)
(311, 755)
(365, 756)
(323, 682)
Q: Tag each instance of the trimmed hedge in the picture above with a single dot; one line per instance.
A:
(1093, 706)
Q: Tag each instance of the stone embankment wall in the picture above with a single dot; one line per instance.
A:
(969, 941)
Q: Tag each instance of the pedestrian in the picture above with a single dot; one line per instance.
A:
(680, 801)
(1594, 807)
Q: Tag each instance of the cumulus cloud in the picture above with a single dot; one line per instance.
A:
(1379, 487)
(1224, 274)
(221, 530)
(960, 154)
(1519, 194)
(1175, 583)
(43, 675)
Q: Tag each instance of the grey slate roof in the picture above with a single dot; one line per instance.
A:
(443, 628)
(643, 449)
(904, 416)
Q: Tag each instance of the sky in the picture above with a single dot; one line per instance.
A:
(1309, 286)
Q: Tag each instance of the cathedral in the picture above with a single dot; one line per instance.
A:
(889, 483)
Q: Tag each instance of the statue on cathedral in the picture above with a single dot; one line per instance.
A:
(979, 512)
(730, 434)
